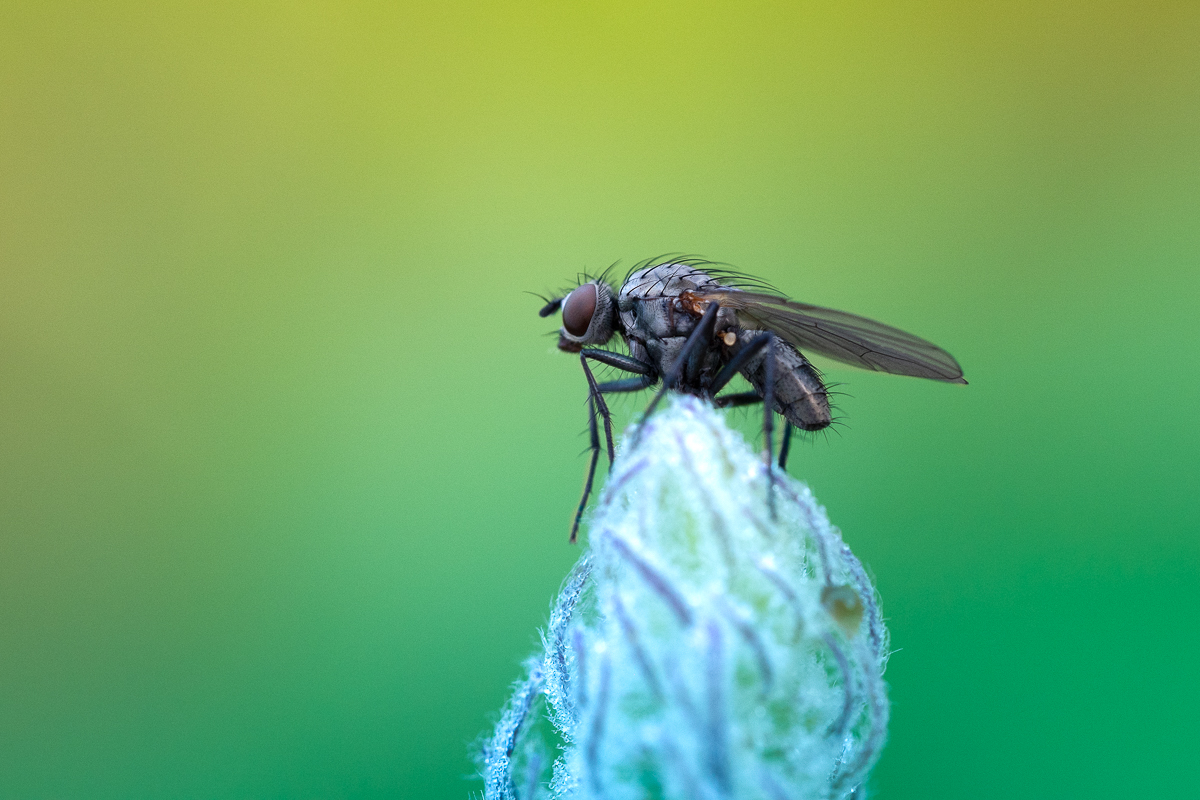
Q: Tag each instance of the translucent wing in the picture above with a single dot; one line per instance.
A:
(845, 337)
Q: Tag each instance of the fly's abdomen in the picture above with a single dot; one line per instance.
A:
(800, 394)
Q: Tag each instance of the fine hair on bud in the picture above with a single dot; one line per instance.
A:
(708, 644)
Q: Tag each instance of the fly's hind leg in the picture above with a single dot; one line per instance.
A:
(749, 399)
(769, 420)
(765, 341)
(785, 446)
(737, 400)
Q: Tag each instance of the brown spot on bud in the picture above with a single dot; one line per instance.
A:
(845, 606)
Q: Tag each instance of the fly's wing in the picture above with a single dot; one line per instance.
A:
(844, 337)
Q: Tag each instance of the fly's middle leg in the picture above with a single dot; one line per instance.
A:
(691, 357)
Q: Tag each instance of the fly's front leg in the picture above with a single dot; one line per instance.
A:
(596, 403)
(594, 439)
(627, 363)
(691, 357)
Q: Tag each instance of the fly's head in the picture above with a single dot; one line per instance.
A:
(589, 316)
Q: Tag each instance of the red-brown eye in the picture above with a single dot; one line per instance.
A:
(579, 308)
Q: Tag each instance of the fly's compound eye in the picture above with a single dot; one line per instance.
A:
(579, 308)
(588, 317)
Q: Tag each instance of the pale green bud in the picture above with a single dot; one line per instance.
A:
(703, 646)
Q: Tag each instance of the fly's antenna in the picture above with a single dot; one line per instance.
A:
(551, 303)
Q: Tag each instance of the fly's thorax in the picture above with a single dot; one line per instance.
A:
(659, 318)
(664, 280)
(637, 349)
(665, 351)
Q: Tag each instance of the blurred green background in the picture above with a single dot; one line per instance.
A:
(287, 461)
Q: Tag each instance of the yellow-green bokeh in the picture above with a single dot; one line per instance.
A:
(286, 461)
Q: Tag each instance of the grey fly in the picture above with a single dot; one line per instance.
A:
(693, 325)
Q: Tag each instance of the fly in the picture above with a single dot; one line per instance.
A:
(693, 326)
